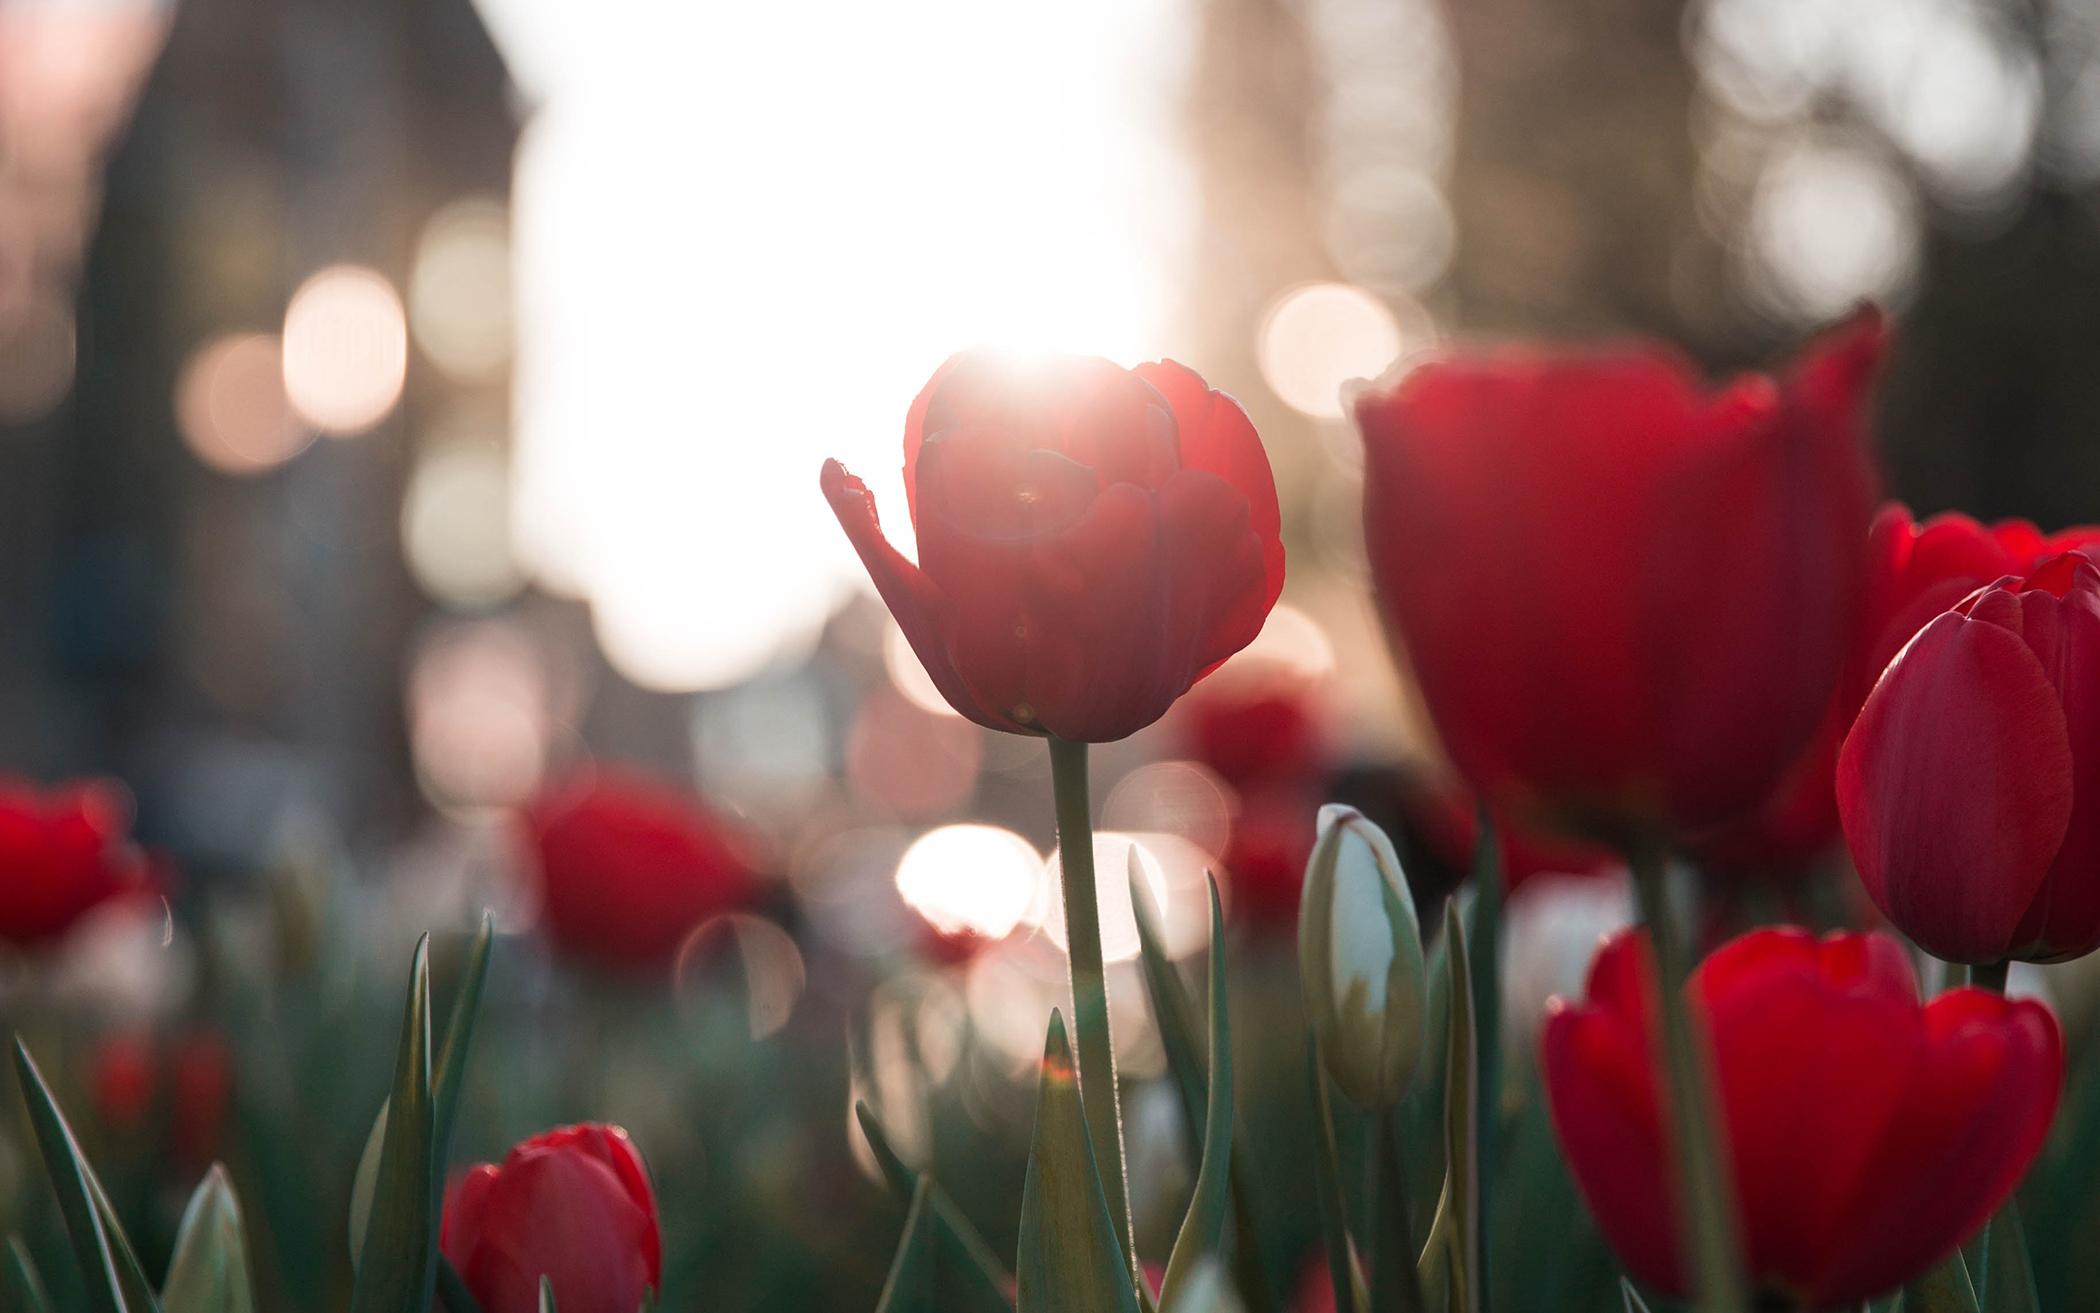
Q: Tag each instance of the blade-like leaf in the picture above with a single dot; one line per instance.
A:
(1632, 1297)
(973, 1278)
(1174, 1016)
(1484, 949)
(546, 1294)
(209, 1273)
(1208, 1290)
(450, 1072)
(1203, 1227)
(364, 1183)
(1334, 1211)
(1070, 1259)
(2008, 1279)
(1451, 1259)
(914, 1281)
(24, 1285)
(398, 1272)
(72, 1181)
(131, 1274)
(1944, 1289)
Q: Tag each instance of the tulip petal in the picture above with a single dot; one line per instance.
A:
(1955, 787)
(1217, 436)
(914, 600)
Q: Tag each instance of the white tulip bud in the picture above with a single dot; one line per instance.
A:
(1360, 960)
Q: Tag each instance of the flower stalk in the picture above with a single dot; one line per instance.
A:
(1093, 1047)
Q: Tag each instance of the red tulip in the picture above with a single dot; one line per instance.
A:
(1914, 571)
(63, 852)
(1092, 540)
(1970, 783)
(1257, 731)
(201, 1080)
(1626, 599)
(573, 1205)
(1869, 1135)
(1446, 819)
(628, 866)
(122, 1077)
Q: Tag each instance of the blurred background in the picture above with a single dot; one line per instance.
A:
(405, 402)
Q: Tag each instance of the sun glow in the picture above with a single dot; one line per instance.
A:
(687, 217)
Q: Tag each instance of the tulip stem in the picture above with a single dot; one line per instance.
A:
(1707, 1203)
(1093, 1048)
(1990, 976)
(1987, 976)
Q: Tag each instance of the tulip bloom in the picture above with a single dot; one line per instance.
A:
(1869, 1135)
(63, 853)
(628, 866)
(1626, 600)
(1967, 785)
(1914, 571)
(1092, 540)
(573, 1205)
(1360, 960)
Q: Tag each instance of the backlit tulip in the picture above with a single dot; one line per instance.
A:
(1092, 540)
(1626, 599)
(573, 1205)
(1970, 783)
(63, 852)
(1360, 960)
(628, 866)
(1914, 571)
(1868, 1135)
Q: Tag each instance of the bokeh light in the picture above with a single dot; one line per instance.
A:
(1172, 797)
(231, 408)
(455, 524)
(970, 879)
(1831, 225)
(1318, 337)
(910, 761)
(740, 955)
(459, 290)
(479, 716)
(345, 349)
(908, 673)
(37, 349)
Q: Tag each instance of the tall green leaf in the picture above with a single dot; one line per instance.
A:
(546, 1294)
(73, 1182)
(972, 1278)
(1451, 1259)
(1484, 949)
(913, 1285)
(1203, 1227)
(1944, 1289)
(1334, 1211)
(24, 1285)
(131, 1274)
(397, 1271)
(209, 1273)
(1631, 1297)
(2008, 1277)
(1070, 1259)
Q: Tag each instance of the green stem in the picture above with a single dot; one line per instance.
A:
(1709, 1205)
(1988, 976)
(1092, 1047)
(1395, 1286)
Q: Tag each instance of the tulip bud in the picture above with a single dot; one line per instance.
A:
(1360, 960)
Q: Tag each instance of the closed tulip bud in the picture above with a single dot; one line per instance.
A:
(573, 1205)
(1360, 960)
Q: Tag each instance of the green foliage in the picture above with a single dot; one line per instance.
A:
(1203, 1228)
(209, 1273)
(1071, 1260)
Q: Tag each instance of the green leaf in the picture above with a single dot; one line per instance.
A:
(1334, 1211)
(2008, 1275)
(209, 1273)
(131, 1274)
(1174, 1016)
(914, 1281)
(24, 1286)
(546, 1294)
(1632, 1297)
(1484, 949)
(1070, 1259)
(1203, 1227)
(364, 1183)
(398, 1272)
(1208, 1289)
(972, 1278)
(1451, 1259)
(73, 1182)
(450, 1073)
(1945, 1289)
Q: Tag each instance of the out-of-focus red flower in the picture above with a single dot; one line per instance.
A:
(1446, 817)
(1970, 783)
(1092, 540)
(1914, 571)
(122, 1076)
(1626, 599)
(200, 1078)
(1315, 1292)
(63, 852)
(1869, 1135)
(573, 1204)
(1257, 731)
(1272, 838)
(628, 866)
